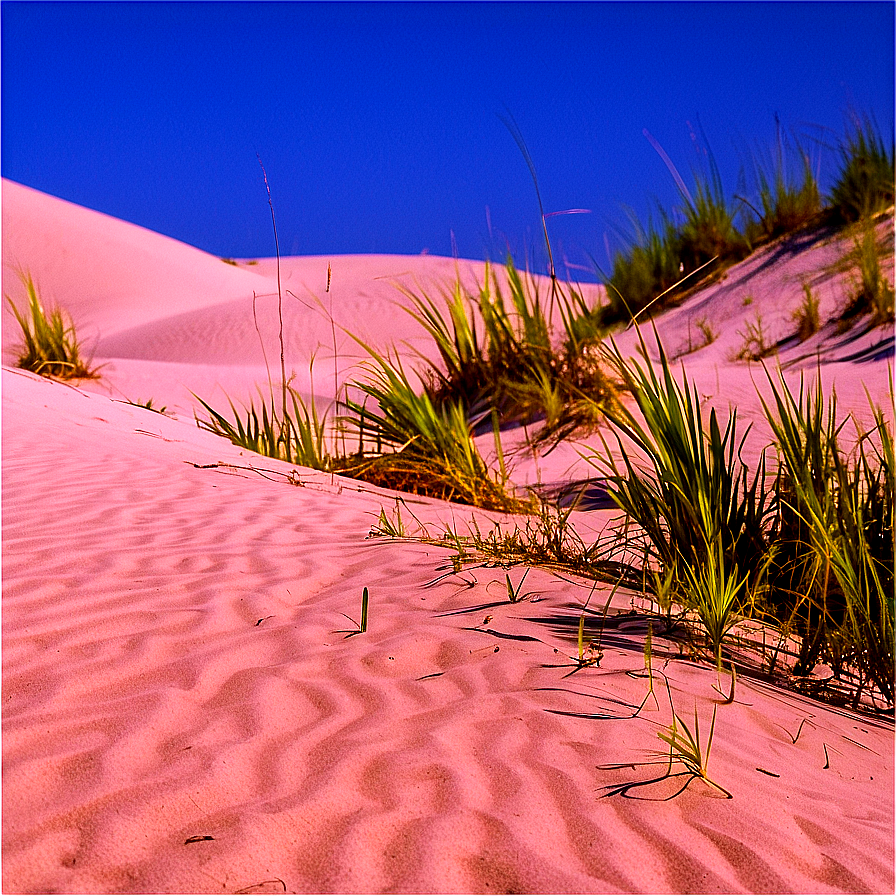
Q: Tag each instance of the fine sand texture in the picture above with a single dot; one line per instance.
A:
(185, 705)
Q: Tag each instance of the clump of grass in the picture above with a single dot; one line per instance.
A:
(418, 446)
(712, 591)
(709, 231)
(872, 293)
(806, 316)
(697, 491)
(297, 435)
(786, 201)
(421, 447)
(50, 346)
(650, 267)
(707, 332)
(504, 356)
(833, 530)
(700, 513)
(661, 262)
(687, 749)
(814, 552)
(865, 184)
(755, 347)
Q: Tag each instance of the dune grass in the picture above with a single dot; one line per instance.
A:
(709, 231)
(501, 361)
(808, 547)
(697, 492)
(806, 316)
(297, 435)
(833, 529)
(50, 346)
(866, 183)
(649, 267)
(872, 294)
(662, 262)
(785, 201)
(812, 547)
(659, 264)
(404, 441)
(505, 355)
(417, 445)
(420, 447)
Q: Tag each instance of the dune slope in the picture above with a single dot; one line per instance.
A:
(187, 709)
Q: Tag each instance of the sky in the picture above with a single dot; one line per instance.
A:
(383, 127)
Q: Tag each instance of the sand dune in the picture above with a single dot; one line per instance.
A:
(182, 709)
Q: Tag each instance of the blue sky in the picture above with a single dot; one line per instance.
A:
(380, 124)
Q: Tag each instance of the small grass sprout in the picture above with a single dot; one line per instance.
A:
(395, 526)
(587, 656)
(365, 600)
(50, 345)
(706, 329)
(515, 593)
(685, 747)
(362, 625)
(647, 672)
(148, 405)
(591, 654)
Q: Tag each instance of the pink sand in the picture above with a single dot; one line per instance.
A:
(174, 658)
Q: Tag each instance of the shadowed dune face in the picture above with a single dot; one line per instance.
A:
(184, 712)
